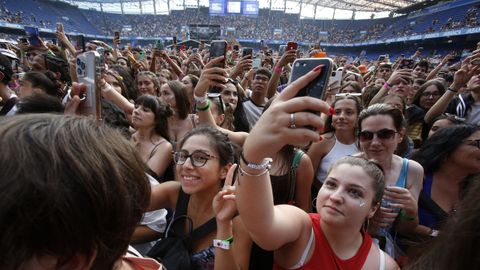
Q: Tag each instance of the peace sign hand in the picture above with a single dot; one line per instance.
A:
(223, 203)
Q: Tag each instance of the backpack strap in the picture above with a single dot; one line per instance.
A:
(179, 213)
(293, 175)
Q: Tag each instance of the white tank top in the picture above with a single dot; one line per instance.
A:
(338, 151)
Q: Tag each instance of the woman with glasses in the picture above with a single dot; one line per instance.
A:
(381, 129)
(202, 161)
(449, 157)
(339, 139)
(426, 96)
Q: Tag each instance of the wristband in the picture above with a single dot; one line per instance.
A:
(451, 89)
(278, 70)
(387, 85)
(200, 100)
(265, 165)
(205, 107)
(223, 244)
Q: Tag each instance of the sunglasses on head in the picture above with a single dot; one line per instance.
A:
(383, 134)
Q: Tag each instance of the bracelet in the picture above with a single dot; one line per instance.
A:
(262, 166)
(200, 99)
(278, 70)
(243, 173)
(404, 216)
(223, 244)
(205, 107)
(387, 85)
(451, 89)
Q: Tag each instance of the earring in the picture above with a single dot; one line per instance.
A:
(314, 202)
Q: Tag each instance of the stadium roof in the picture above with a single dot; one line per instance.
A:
(135, 6)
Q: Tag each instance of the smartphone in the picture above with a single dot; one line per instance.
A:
(406, 64)
(89, 69)
(80, 43)
(292, 45)
(236, 48)
(175, 40)
(159, 44)
(218, 48)
(257, 62)
(116, 35)
(336, 77)
(381, 58)
(141, 56)
(194, 50)
(60, 27)
(33, 36)
(317, 87)
(281, 50)
(54, 41)
(247, 51)
(23, 40)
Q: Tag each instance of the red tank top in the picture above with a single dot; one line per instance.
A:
(324, 257)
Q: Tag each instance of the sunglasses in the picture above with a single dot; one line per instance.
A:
(473, 143)
(348, 94)
(383, 134)
(197, 158)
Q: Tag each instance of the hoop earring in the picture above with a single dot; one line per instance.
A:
(314, 202)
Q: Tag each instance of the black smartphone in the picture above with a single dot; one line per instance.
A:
(407, 63)
(317, 87)
(381, 58)
(174, 40)
(116, 35)
(81, 43)
(236, 48)
(218, 48)
(247, 51)
(24, 40)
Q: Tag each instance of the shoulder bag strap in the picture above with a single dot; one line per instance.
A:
(293, 174)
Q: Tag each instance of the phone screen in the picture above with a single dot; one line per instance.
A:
(81, 43)
(159, 44)
(174, 40)
(117, 35)
(33, 36)
(317, 87)
(247, 51)
(218, 48)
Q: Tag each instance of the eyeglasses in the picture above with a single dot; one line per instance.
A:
(197, 158)
(473, 143)
(348, 94)
(383, 134)
(217, 96)
(427, 94)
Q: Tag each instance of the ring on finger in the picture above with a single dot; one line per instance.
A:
(292, 120)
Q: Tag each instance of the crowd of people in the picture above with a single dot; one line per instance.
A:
(262, 26)
(198, 162)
